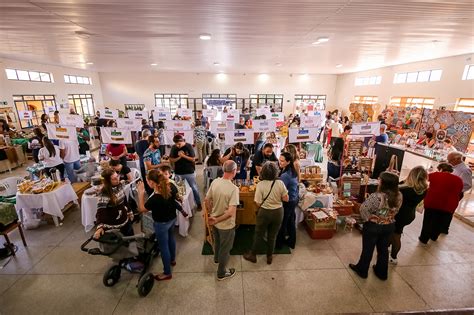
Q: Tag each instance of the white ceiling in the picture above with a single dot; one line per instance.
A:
(248, 36)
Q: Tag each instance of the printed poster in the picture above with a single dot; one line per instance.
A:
(71, 120)
(187, 134)
(302, 134)
(60, 132)
(157, 116)
(311, 121)
(109, 113)
(130, 124)
(116, 135)
(266, 125)
(178, 125)
(138, 114)
(279, 117)
(25, 114)
(242, 135)
(264, 111)
(185, 112)
(221, 126)
(366, 128)
(209, 113)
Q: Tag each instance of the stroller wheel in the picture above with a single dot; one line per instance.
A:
(145, 284)
(112, 276)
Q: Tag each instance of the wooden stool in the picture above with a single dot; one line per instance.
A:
(10, 227)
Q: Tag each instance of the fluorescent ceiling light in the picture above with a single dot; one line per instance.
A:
(154, 64)
(323, 39)
(205, 36)
(339, 66)
(89, 63)
(278, 64)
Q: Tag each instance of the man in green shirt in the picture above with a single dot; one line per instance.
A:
(82, 137)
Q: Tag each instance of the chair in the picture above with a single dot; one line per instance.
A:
(10, 227)
(8, 186)
(210, 173)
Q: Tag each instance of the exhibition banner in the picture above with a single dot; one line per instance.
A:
(310, 121)
(264, 111)
(302, 134)
(215, 102)
(60, 132)
(157, 116)
(162, 110)
(279, 117)
(138, 114)
(25, 114)
(231, 116)
(221, 126)
(209, 113)
(178, 125)
(188, 136)
(246, 136)
(109, 113)
(185, 112)
(130, 124)
(264, 125)
(368, 128)
(71, 120)
(116, 135)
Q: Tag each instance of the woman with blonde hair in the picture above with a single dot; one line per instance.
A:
(414, 191)
(291, 148)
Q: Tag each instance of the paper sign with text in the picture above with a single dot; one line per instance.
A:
(264, 125)
(209, 113)
(188, 136)
(60, 132)
(138, 114)
(50, 110)
(116, 135)
(157, 116)
(311, 121)
(71, 120)
(178, 125)
(109, 113)
(264, 111)
(302, 135)
(185, 112)
(162, 110)
(221, 126)
(230, 117)
(242, 135)
(25, 114)
(131, 124)
(369, 128)
(279, 117)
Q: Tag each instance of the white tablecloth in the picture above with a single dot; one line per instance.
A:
(89, 210)
(134, 164)
(327, 200)
(52, 202)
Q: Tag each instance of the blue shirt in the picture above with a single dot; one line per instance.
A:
(153, 156)
(291, 183)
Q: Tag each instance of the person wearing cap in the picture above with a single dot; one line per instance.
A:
(222, 200)
(183, 156)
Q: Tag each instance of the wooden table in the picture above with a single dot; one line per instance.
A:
(247, 210)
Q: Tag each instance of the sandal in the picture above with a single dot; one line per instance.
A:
(163, 277)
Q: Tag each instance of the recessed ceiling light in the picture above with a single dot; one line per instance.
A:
(89, 63)
(315, 43)
(216, 64)
(205, 36)
(338, 66)
(323, 39)
(278, 64)
(154, 64)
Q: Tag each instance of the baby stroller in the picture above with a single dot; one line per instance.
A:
(122, 249)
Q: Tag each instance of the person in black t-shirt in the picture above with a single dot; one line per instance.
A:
(183, 156)
(163, 205)
(262, 156)
(240, 155)
(124, 172)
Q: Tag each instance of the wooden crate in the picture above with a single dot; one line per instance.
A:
(354, 148)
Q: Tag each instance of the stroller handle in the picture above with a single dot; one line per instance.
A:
(117, 242)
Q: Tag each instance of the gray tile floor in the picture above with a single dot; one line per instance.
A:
(52, 276)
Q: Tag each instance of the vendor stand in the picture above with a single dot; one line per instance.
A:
(11, 157)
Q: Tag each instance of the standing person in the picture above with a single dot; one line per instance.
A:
(448, 146)
(335, 155)
(440, 202)
(161, 136)
(295, 155)
(124, 172)
(289, 177)
(152, 155)
(69, 152)
(222, 200)
(413, 192)
(82, 137)
(140, 147)
(200, 140)
(269, 197)
(56, 117)
(182, 155)
(336, 129)
(241, 124)
(51, 157)
(35, 143)
(215, 159)
(382, 138)
(163, 205)
(260, 157)
(117, 151)
(44, 121)
(378, 212)
(241, 156)
(201, 120)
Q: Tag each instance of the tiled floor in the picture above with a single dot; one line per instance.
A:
(52, 276)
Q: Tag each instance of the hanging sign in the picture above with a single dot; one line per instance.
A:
(310, 121)
(209, 113)
(138, 114)
(185, 112)
(130, 124)
(264, 111)
(242, 135)
(279, 117)
(116, 135)
(25, 114)
(109, 113)
(178, 125)
(221, 126)
(161, 116)
(230, 117)
(302, 134)
(369, 128)
(162, 110)
(50, 110)
(71, 120)
(60, 132)
(264, 125)
(188, 136)
(216, 102)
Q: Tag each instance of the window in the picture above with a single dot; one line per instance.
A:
(465, 105)
(374, 80)
(409, 101)
(275, 101)
(74, 79)
(37, 104)
(302, 101)
(468, 73)
(418, 76)
(25, 75)
(134, 106)
(83, 104)
(359, 99)
(171, 101)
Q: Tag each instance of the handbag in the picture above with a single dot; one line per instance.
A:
(393, 165)
(266, 197)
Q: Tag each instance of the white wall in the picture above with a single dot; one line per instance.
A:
(445, 91)
(139, 88)
(8, 88)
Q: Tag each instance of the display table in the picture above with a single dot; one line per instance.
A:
(51, 202)
(35, 169)
(11, 157)
(327, 200)
(89, 209)
(247, 209)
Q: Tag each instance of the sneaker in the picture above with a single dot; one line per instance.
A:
(393, 261)
(216, 262)
(229, 274)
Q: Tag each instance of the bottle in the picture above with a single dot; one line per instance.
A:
(8, 141)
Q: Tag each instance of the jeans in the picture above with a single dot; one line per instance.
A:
(375, 235)
(70, 167)
(269, 222)
(191, 179)
(164, 232)
(434, 222)
(223, 240)
(288, 225)
(201, 151)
